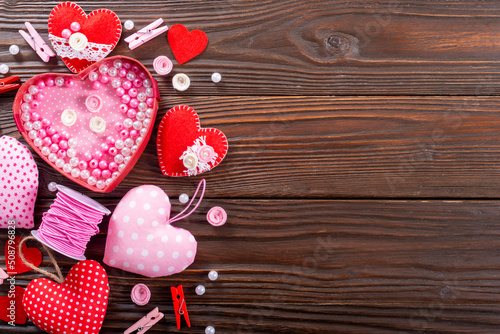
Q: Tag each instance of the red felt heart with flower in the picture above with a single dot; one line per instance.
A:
(185, 149)
(101, 28)
(77, 305)
(186, 45)
(11, 306)
(15, 265)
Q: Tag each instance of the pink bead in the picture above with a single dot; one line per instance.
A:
(137, 83)
(120, 91)
(70, 83)
(150, 102)
(113, 151)
(103, 164)
(46, 141)
(56, 138)
(35, 116)
(133, 92)
(65, 134)
(118, 126)
(34, 104)
(63, 144)
(66, 33)
(142, 75)
(93, 163)
(75, 26)
(122, 73)
(40, 84)
(124, 134)
(49, 82)
(96, 172)
(104, 147)
(97, 155)
(134, 134)
(110, 140)
(46, 122)
(131, 113)
(40, 96)
(61, 154)
(127, 85)
(51, 130)
(42, 134)
(125, 98)
(104, 79)
(96, 85)
(54, 148)
(113, 166)
(82, 165)
(135, 68)
(134, 103)
(87, 156)
(123, 108)
(126, 64)
(106, 174)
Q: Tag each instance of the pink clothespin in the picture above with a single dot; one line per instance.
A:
(145, 34)
(146, 322)
(37, 43)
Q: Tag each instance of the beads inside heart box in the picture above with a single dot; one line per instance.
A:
(93, 126)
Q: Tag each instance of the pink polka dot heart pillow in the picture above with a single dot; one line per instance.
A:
(18, 184)
(140, 238)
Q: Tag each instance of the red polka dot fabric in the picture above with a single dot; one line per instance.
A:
(78, 305)
(18, 184)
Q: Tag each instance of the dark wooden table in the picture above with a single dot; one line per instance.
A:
(362, 182)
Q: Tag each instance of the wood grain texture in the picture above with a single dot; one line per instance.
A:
(353, 266)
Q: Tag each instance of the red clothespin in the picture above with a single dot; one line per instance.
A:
(145, 34)
(146, 322)
(7, 85)
(37, 43)
(180, 307)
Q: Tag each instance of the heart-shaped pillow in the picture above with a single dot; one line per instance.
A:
(78, 305)
(184, 44)
(18, 184)
(142, 241)
(93, 126)
(185, 149)
(96, 34)
(15, 265)
(11, 306)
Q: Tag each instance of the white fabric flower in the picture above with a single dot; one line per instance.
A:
(190, 161)
(68, 117)
(97, 125)
(78, 41)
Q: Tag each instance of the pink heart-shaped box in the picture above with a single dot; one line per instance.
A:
(142, 241)
(92, 126)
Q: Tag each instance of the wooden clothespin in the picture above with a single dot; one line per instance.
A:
(37, 43)
(145, 34)
(146, 322)
(6, 84)
(180, 307)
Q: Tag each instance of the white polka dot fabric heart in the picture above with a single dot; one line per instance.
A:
(142, 241)
(78, 305)
(18, 183)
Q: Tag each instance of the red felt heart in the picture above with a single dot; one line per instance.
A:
(102, 28)
(11, 307)
(186, 45)
(78, 305)
(15, 265)
(180, 135)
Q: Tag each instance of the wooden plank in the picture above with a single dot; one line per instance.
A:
(322, 265)
(305, 47)
(340, 147)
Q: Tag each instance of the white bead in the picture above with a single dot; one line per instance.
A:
(85, 174)
(119, 144)
(209, 330)
(126, 160)
(200, 290)
(67, 168)
(33, 134)
(14, 49)
(213, 275)
(183, 198)
(37, 142)
(52, 186)
(37, 125)
(91, 180)
(129, 142)
(129, 25)
(118, 63)
(74, 161)
(119, 158)
(52, 157)
(72, 142)
(71, 152)
(45, 150)
(100, 184)
(4, 68)
(93, 76)
(59, 163)
(75, 172)
(216, 77)
(59, 81)
(103, 68)
(33, 89)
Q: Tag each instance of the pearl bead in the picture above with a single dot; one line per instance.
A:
(122, 73)
(33, 134)
(110, 140)
(74, 161)
(106, 173)
(128, 25)
(72, 142)
(70, 83)
(116, 82)
(149, 112)
(104, 79)
(67, 168)
(28, 126)
(126, 160)
(126, 151)
(25, 107)
(40, 84)
(118, 126)
(91, 180)
(50, 82)
(143, 75)
(59, 81)
(139, 140)
(28, 97)
(216, 77)
(141, 97)
(118, 63)
(59, 163)
(45, 150)
(40, 96)
(128, 123)
(113, 166)
(200, 290)
(131, 113)
(66, 33)
(51, 130)
(100, 184)
(52, 186)
(4, 68)
(127, 85)
(108, 181)
(134, 103)
(71, 152)
(131, 76)
(135, 68)
(46, 122)
(75, 26)
(37, 125)
(37, 142)
(213, 275)
(33, 89)
(137, 83)
(146, 83)
(183, 198)
(87, 156)
(93, 76)
(96, 85)
(82, 165)
(25, 116)
(124, 134)
(209, 330)
(93, 163)
(103, 164)
(75, 172)
(34, 104)
(140, 116)
(146, 122)
(46, 141)
(134, 134)
(129, 142)
(97, 155)
(137, 125)
(112, 71)
(63, 144)
(120, 91)
(143, 130)
(54, 148)
(14, 49)
(56, 138)
(104, 147)
(132, 92)
(118, 158)
(113, 151)
(125, 98)
(61, 154)
(84, 174)
(121, 167)
(115, 175)
(96, 172)
(142, 106)
(119, 144)
(126, 64)
(103, 68)
(42, 133)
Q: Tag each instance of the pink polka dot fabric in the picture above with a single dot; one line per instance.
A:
(78, 305)
(142, 241)
(18, 183)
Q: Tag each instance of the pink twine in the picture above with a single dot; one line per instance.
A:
(93, 103)
(179, 215)
(162, 65)
(217, 216)
(140, 294)
(69, 224)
